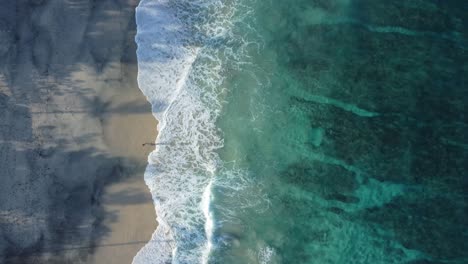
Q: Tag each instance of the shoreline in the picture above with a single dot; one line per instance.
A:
(73, 122)
(127, 134)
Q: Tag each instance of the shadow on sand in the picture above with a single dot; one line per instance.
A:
(49, 202)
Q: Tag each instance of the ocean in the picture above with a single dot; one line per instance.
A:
(307, 131)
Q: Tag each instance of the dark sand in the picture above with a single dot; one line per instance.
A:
(72, 125)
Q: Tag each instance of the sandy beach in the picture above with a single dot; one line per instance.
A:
(72, 127)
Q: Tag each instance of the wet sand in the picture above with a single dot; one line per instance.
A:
(72, 127)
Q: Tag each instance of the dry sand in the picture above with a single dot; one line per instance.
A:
(72, 125)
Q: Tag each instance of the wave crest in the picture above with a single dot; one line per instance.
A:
(182, 46)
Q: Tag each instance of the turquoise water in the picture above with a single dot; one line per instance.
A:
(332, 132)
(342, 122)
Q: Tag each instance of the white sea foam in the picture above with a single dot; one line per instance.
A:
(265, 255)
(179, 62)
(209, 225)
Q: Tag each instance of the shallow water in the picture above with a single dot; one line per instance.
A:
(307, 131)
